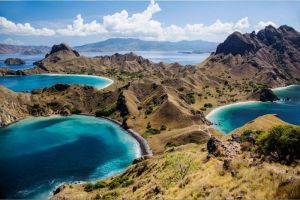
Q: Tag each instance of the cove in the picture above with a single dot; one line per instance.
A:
(36, 81)
(37, 154)
(229, 117)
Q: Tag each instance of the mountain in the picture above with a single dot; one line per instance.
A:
(130, 44)
(26, 50)
(272, 56)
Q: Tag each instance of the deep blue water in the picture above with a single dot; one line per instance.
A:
(37, 154)
(30, 82)
(230, 117)
(29, 59)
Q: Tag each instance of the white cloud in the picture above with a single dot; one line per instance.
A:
(79, 28)
(11, 42)
(138, 25)
(261, 25)
(9, 27)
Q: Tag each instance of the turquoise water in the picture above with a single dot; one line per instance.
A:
(230, 117)
(30, 82)
(37, 154)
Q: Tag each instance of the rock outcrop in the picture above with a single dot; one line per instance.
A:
(13, 106)
(267, 95)
(14, 61)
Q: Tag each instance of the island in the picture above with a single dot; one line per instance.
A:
(166, 104)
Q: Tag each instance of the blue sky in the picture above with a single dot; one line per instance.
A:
(46, 22)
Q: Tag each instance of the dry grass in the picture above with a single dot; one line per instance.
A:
(185, 173)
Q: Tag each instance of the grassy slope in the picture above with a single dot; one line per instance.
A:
(185, 172)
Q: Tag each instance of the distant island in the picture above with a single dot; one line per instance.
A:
(130, 44)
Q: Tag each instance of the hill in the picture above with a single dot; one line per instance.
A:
(270, 57)
(130, 44)
(222, 168)
(26, 50)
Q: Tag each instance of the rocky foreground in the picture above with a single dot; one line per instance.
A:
(226, 168)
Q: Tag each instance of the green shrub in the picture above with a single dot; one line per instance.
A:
(88, 187)
(191, 97)
(106, 112)
(247, 134)
(75, 111)
(208, 105)
(149, 110)
(152, 131)
(100, 184)
(163, 127)
(283, 142)
(120, 181)
(148, 125)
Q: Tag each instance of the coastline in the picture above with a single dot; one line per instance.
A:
(213, 111)
(143, 144)
(83, 75)
(283, 87)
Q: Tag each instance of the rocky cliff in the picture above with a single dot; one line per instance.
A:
(13, 106)
(271, 56)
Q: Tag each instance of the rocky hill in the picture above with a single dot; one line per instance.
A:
(130, 44)
(223, 168)
(271, 56)
(13, 106)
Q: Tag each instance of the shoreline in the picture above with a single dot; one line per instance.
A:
(111, 81)
(213, 111)
(143, 144)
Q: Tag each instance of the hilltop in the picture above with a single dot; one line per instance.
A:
(222, 168)
(271, 57)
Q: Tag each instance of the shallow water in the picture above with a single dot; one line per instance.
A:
(30, 82)
(230, 117)
(37, 154)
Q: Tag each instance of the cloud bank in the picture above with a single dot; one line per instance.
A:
(138, 25)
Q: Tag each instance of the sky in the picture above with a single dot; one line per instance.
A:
(82, 22)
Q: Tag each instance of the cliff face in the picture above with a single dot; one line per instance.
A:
(272, 56)
(13, 106)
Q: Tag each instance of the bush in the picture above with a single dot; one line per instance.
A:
(106, 112)
(75, 111)
(152, 131)
(100, 184)
(208, 105)
(149, 110)
(120, 181)
(89, 187)
(163, 127)
(191, 97)
(281, 142)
